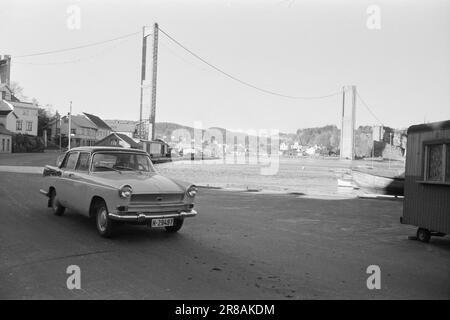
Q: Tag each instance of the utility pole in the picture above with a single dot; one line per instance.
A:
(60, 131)
(70, 124)
(341, 141)
(353, 121)
(154, 77)
(390, 149)
(143, 66)
(373, 144)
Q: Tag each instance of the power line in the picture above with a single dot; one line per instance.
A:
(368, 108)
(244, 82)
(172, 52)
(77, 47)
(101, 53)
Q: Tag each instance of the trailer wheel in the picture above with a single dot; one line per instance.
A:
(423, 235)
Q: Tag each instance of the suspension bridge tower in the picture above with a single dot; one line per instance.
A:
(347, 144)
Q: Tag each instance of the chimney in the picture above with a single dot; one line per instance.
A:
(5, 69)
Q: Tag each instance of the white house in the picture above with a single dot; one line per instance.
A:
(17, 116)
(284, 146)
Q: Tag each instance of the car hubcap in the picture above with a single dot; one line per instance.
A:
(55, 205)
(102, 219)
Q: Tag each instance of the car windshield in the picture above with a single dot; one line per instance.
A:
(121, 161)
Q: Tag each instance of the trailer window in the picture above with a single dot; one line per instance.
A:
(437, 162)
(447, 163)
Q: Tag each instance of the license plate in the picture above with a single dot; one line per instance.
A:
(157, 223)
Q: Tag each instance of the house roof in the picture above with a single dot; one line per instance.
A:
(97, 121)
(128, 140)
(429, 126)
(5, 106)
(3, 130)
(82, 121)
(16, 103)
(122, 125)
(123, 137)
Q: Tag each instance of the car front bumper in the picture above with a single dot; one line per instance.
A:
(143, 217)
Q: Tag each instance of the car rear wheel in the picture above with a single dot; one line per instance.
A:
(177, 224)
(105, 226)
(57, 208)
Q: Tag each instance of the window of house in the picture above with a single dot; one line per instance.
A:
(3, 144)
(437, 162)
(7, 144)
(29, 125)
(73, 131)
(19, 125)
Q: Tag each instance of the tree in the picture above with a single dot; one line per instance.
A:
(17, 91)
(44, 117)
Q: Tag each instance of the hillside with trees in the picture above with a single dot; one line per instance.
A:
(326, 137)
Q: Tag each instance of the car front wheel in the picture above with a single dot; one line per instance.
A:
(105, 226)
(57, 208)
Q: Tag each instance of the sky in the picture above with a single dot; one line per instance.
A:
(292, 47)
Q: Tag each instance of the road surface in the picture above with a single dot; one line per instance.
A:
(242, 245)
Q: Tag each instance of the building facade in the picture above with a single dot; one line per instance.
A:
(17, 116)
(83, 131)
(5, 140)
(86, 130)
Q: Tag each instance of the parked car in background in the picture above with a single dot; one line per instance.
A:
(117, 185)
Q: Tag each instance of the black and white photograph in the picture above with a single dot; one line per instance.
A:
(224, 156)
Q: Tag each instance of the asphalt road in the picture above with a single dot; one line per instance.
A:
(242, 245)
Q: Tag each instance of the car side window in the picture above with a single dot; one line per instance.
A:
(83, 162)
(70, 161)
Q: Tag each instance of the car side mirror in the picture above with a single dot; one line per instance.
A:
(59, 160)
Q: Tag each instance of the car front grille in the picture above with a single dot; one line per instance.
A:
(155, 198)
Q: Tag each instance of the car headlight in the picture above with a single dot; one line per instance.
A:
(191, 191)
(125, 192)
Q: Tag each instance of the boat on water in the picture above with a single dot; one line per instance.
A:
(377, 183)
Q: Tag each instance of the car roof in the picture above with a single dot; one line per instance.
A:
(95, 149)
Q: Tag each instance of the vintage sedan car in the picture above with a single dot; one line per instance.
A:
(117, 185)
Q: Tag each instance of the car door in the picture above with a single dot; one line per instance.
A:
(79, 181)
(65, 186)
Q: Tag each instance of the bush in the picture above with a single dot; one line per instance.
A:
(26, 143)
